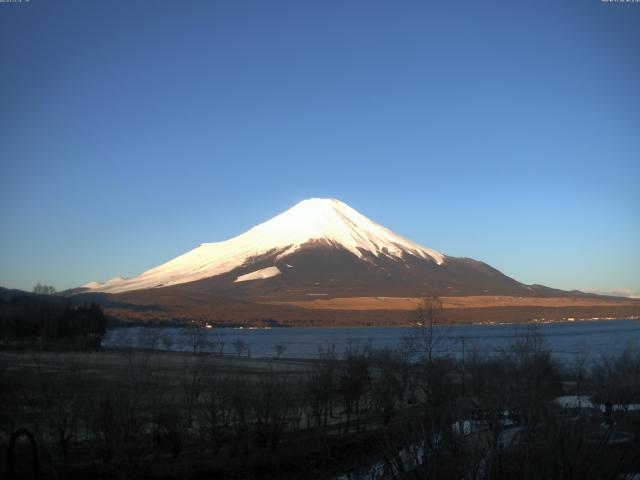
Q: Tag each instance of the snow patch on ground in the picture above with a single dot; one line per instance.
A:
(259, 274)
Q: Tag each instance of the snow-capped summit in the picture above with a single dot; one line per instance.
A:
(314, 220)
(336, 222)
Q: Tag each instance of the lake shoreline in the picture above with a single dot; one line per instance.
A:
(170, 324)
(565, 339)
(354, 311)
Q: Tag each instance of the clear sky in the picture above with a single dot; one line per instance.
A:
(132, 131)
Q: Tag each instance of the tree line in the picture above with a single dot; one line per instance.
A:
(49, 319)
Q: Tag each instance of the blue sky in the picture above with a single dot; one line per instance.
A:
(131, 131)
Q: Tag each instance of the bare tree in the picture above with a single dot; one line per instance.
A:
(60, 398)
(170, 430)
(196, 338)
(191, 382)
(428, 335)
(167, 341)
(279, 350)
(216, 343)
(321, 386)
(240, 346)
(387, 389)
(44, 289)
(354, 382)
(271, 405)
(215, 414)
(149, 338)
(239, 396)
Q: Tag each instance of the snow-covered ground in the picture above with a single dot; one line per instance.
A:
(259, 274)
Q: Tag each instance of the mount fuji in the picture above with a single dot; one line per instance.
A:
(329, 244)
(319, 260)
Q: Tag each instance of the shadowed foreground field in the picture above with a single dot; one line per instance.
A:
(150, 414)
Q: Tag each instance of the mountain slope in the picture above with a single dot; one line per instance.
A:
(321, 247)
(323, 263)
(313, 220)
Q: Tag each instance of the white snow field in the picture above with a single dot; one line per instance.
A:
(259, 274)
